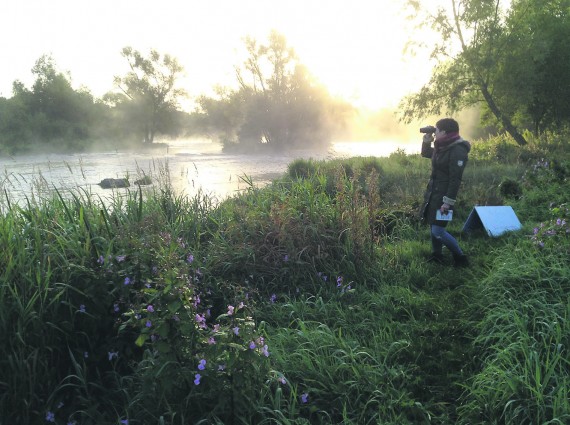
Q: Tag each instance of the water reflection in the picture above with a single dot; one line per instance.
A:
(190, 166)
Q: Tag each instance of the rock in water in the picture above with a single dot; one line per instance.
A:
(114, 183)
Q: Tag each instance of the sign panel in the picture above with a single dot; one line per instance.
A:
(496, 220)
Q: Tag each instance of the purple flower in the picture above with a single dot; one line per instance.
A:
(216, 327)
(221, 367)
(127, 281)
(304, 398)
(338, 281)
(116, 307)
(190, 258)
(124, 421)
(148, 324)
(211, 340)
(113, 355)
(230, 310)
(86, 354)
(264, 351)
(50, 417)
(282, 380)
(120, 258)
(60, 405)
(150, 308)
(202, 364)
(252, 345)
(201, 320)
(197, 380)
(285, 258)
(100, 260)
(272, 298)
(82, 308)
(236, 330)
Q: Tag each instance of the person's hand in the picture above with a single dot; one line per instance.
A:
(428, 138)
(444, 208)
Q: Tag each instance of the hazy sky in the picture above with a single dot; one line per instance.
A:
(353, 47)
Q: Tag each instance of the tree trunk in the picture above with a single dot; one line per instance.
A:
(505, 121)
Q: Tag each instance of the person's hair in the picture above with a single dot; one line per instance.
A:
(449, 125)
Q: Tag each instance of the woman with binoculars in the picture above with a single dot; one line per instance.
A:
(449, 155)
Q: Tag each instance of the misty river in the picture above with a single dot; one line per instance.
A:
(192, 165)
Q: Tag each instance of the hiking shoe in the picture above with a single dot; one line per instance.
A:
(436, 258)
(460, 260)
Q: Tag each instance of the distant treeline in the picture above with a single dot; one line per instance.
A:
(277, 105)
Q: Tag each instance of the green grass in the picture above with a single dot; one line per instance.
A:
(307, 301)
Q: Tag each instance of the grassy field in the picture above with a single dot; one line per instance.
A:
(309, 301)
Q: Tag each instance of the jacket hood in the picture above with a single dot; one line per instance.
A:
(463, 142)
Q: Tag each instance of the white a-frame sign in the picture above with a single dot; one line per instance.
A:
(494, 220)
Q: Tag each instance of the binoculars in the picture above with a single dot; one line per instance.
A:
(430, 129)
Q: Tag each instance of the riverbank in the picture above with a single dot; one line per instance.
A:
(306, 301)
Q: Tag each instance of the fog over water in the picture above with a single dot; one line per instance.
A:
(192, 166)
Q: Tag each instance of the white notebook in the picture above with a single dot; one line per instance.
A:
(444, 217)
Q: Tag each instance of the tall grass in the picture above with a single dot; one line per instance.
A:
(307, 301)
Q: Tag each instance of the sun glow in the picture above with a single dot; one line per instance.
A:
(355, 49)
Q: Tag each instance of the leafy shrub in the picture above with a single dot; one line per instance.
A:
(510, 188)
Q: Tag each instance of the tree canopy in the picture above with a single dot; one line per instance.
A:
(150, 91)
(511, 58)
(49, 113)
(277, 104)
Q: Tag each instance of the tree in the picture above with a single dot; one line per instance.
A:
(51, 113)
(150, 90)
(470, 55)
(540, 50)
(277, 103)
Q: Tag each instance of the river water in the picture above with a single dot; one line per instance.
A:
(190, 165)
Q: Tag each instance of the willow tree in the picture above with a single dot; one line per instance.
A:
(471, 54)
(150, 89)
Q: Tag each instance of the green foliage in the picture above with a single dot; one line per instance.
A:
(301, 168)
(510, 188)
(307, 301)
(524, 373)
(520, 86)
(52, 115)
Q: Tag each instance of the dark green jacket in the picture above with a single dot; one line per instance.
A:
(446, 173)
